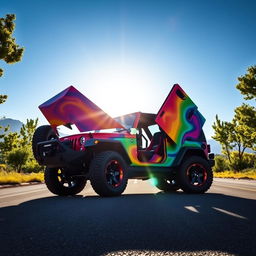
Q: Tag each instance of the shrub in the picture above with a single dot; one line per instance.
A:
(17, 178)
(248, 161)
(221, 163)
(17, 158)
(32, 166)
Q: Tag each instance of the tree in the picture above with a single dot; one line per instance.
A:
(9, 143)
(234, 135)
(245, 117)
(18, 158)
(241, 138)
(10, 52)
(27, 130)
(15, 141)
(5, 129)
(247, 83)
(241, 132)
(222, 135)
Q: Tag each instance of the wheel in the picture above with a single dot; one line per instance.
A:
(42, 133)
(195, 175)
(60, 184)
(167, 185)
(108, 174)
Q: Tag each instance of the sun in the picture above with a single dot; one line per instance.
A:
(119, 89)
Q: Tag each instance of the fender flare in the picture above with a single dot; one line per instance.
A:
(186, 152)
(99, 145)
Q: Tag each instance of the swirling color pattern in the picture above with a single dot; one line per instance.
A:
(178, 118)
(72, 107)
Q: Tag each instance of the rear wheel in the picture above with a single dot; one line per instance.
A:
(195, 175)
(167, 185)
(42, 133)
(108, 174)
(60, 184)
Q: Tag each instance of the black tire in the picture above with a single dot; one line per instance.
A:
(167, 185)
(108, 174)
(42, 133)
(195, 175)
(59, 184)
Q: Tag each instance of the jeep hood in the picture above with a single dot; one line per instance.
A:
(72, 107)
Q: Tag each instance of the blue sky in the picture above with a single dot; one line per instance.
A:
(126, 55)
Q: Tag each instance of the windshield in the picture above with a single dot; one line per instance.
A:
(127, 121)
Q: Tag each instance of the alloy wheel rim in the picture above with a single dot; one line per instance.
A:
(64, 181)
(114, 173)
(197, 174)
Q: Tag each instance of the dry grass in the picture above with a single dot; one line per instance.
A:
(17, 178)
(245, 174)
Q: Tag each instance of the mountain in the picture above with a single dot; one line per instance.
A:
(15, 125)
(215, 146)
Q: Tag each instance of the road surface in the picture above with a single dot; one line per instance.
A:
(143, 221)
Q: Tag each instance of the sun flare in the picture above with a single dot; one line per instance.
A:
(119, 89)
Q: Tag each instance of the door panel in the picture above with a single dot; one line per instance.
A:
(72, 107)
(179, 117)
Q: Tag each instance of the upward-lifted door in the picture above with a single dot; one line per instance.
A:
(179, 117)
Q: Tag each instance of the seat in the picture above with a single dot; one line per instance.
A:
(155, 151)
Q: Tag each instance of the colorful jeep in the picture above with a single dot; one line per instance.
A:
(168, 147)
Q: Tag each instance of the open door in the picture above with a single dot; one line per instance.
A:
(179, 117)
(72, 107)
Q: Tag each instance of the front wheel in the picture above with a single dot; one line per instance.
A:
(60, 184)
(195, 175)
(108, 174)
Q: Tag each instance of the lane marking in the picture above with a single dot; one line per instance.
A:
(235, 187)
(229, 213)
(191, 208)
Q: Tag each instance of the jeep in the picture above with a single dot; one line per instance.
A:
(168, 147)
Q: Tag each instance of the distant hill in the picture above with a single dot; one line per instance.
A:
(15, 125)
(215, 146)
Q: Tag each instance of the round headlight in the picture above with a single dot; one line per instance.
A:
(82, 140)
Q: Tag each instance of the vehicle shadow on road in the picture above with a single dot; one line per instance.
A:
(175, 222)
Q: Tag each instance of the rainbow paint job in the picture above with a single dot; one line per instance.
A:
(178, 117)
(169, 147)
(71, 107)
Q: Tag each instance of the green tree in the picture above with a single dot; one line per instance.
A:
(247, 83)
(241, 139)
(222, 131)
(5, 129)
(14, 142)
(245, 118)
(241, 132)
(18, 158)
(27, 130)
(10, 52)
(8, 144)
(234, 135)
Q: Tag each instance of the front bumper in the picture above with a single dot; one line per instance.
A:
(53, 153)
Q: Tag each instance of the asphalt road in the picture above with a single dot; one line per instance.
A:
(143, 221)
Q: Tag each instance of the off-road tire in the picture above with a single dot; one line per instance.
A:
(55, 181)
(98, 174)
(195, 183)
(42, 133)
(166, 185)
